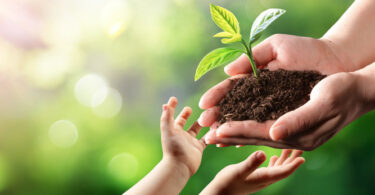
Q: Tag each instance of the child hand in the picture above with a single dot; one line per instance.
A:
(179, 146)
(245, 178)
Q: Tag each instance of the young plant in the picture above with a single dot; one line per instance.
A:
(228, 22)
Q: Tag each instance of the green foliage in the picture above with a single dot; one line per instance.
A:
(216, 58)
(263, 21)
(228, 22)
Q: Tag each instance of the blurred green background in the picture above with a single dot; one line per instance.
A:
(82, 84)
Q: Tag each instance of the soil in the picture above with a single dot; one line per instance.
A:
(274, 94)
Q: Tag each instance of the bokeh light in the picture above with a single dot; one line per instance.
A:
(107, 103)
(123, 167)
(91, 90)
(63, 133)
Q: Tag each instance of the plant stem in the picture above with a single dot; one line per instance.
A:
(249, 54)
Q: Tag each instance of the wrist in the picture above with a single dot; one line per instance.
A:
(212, 188)
(365, 80)
(181, 169)
(340, 56)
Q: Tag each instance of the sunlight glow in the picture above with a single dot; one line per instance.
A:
(48, 69)
(116, 29)
(114, 16)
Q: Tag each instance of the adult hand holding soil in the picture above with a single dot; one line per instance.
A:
(335, 102)
(277, 52)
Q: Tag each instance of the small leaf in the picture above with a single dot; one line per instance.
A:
(228, 22)
(223, 34)
(215, 58)
(263, 21)
(224, 19)
(235, 38)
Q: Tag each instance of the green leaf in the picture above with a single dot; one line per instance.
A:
(215, 58)
(263, 21)
(223, 34)
(228, 22)
(233, 39)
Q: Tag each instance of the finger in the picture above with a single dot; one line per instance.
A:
(245, 141)
(264, 53)
(211, 134)
(273, 159)
(299, 120)
(295, 154)
(183, 116)
(240, 66)
(194, 129)
(251, 163)
(249, 128)
(209, 116)
(172, 103)
(287, 170)
(213, 96)
(166, 120)
(203, 142)
(276, 64)
(284, 155)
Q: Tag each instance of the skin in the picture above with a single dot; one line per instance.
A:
(246, 178)
(339, 53)
(182, 155)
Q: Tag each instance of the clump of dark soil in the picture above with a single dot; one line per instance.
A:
(274, 94)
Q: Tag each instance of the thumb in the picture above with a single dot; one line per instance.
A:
(264, 53)
(251, 163)
(299, 120)
(239, 66)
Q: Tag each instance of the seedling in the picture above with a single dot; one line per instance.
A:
(228, 22)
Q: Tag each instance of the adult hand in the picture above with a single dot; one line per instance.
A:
(334, 102)
(279, 51)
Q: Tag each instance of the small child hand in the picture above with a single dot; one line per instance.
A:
(179, 146)
(245, 178)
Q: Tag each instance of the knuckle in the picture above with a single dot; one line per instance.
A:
(181, 121)
(301, 124)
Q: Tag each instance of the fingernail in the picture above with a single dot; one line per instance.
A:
(278, 132)
(200, 121)
(200, 103)
(164, 107)
(208, 141)
(260, 156)
(219, 134)
(226, 68)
